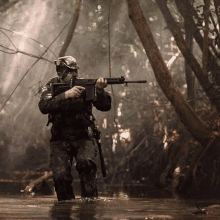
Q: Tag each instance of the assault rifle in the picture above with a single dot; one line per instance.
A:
(89, 85)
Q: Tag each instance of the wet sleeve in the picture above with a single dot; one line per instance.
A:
(57, 104)
(103, 100)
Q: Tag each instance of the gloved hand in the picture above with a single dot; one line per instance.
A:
(101, 83)
(74, 92)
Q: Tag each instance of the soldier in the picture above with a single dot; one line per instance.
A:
(72, 131)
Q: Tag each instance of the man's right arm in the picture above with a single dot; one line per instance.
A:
(63, 102)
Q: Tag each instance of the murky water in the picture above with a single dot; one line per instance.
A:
(109, 208)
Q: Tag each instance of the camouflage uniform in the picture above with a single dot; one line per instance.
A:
(71, 136)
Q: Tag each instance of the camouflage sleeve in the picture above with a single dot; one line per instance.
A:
(103, 101)
(57, 104)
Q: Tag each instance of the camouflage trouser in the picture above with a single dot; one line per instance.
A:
(62, 153)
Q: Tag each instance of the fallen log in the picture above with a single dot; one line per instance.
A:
(29, 188)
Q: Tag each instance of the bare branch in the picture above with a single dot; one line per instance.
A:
(23, 52)
(28, 38)
(33, 66)
(8, 52)
(9, 39)
(71, 29)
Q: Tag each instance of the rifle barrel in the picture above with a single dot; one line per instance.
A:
(122, 81)
(138, 81)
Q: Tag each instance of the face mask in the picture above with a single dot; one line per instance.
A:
(67, 75)
(62, 71)
(68, 78)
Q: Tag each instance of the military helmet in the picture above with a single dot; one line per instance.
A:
(67, 61)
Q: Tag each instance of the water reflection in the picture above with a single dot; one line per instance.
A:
(83, 210)
(107, 208)
(86, 211)
(61, 211)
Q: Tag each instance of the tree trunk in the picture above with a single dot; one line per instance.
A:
(71, 29)
(217, 9)
(212, 93)
(190, 79)
(196, 126)
(206, 36)
(190, 179)
(186, 10)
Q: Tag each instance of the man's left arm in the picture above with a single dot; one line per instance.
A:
(103, 100)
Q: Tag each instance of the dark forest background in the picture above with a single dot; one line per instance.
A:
(163, 134)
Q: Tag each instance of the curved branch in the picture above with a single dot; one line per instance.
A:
(197, 127)
(71, 29)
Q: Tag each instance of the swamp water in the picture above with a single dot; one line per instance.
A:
(117, 206)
